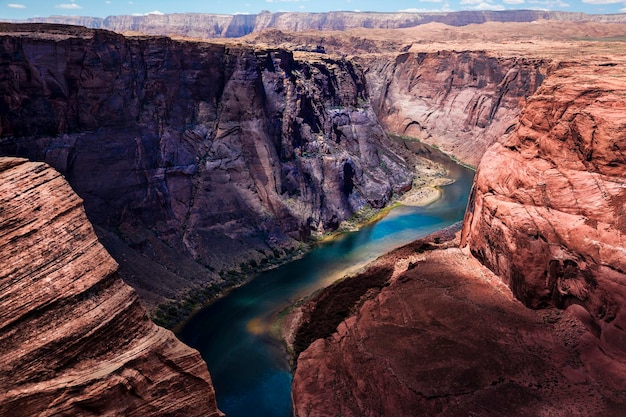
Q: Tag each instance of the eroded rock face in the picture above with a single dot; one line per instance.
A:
(198, 156)
(201, 25)
(73, 338)
(548, 210)
(445, 337)
(460, 101)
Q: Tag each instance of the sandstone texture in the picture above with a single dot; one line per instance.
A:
(460, 101)
(73, 338)
(200, 25)
(194, 158)
(438, 334)
(548, 209)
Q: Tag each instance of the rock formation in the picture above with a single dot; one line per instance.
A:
(442, 335)
(73, 338)
(548, 208)
(194, 158)
(445, 334)
(460, 101)
(200, 25)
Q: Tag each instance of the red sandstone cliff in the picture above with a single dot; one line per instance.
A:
(73, 338)
(461, 102)
(548, 210)
(195, 158)
(443, 336)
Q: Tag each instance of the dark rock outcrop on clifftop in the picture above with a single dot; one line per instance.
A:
(199, 25)
(194, 157)
(73, 338)
(548, 209)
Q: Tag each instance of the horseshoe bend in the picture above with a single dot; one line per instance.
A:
(144, 176)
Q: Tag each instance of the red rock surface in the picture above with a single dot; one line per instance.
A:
(548, 211)
(73, 338)
(461, 102)
(445, 337)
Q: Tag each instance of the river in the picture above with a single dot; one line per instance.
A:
(248, 366)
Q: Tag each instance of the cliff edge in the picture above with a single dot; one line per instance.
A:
(73, 338)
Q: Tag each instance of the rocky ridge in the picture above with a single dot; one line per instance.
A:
(73, 338)
(195, 158)
(200, 25)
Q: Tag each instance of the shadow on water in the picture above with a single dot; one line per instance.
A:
(248, 367)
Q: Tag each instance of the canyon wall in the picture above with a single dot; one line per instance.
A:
(461, 102)
(195, 158)
(201, 25)
(548, 208)
(544, 226)
(73, 338)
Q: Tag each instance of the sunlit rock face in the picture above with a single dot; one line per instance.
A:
(73, 338)
(548, 209)
(204, 25)
(193, 158)
(461, 102)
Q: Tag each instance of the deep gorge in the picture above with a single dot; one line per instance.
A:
(197, 159)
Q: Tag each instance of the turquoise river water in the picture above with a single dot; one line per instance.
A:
(248, 366)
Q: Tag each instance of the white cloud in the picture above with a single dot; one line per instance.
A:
(549, 4)
(68, 6)
(603, 1)
(154, 12)
(16, 6)
(285, 1)
(488, 6)
(514, 1)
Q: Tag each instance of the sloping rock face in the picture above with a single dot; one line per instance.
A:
(73, 338)
(200, 25)
(461, 102)
(445, 337)
(548, 209)
(198, 156)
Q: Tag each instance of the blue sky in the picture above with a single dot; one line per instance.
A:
(19, 9)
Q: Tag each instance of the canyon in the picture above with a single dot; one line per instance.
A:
(196, 158)
(74, 339)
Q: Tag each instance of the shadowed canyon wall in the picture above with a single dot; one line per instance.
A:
(73, 338)
(191, 157)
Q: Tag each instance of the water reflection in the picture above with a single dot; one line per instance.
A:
(248, 367)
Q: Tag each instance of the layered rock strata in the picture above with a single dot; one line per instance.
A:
(442, 335)
(73, 338)
(548, 209)
(200, 25)
(461, 102)
(194, 158)
(446, 335)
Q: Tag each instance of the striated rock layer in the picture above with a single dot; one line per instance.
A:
(195, 158)
(201, 25)
(548, 209)
(73, 338)
(446, 334)
(460, 101)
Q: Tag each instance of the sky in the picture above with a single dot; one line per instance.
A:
(21, 9)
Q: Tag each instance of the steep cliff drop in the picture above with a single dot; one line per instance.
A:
(548, 211)
(445, 333)
(195, 159)
(73, 338)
